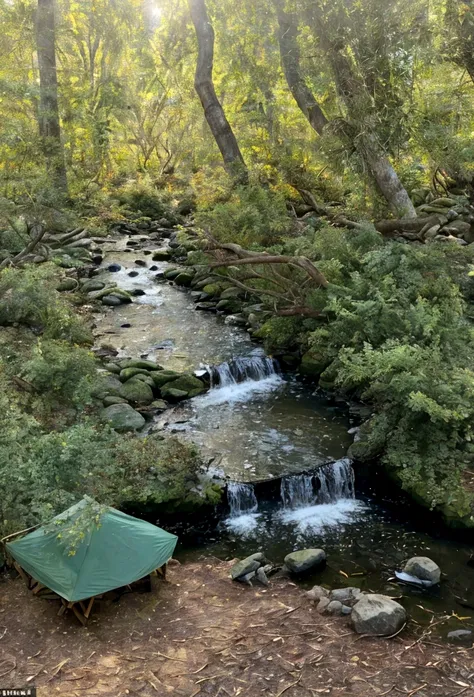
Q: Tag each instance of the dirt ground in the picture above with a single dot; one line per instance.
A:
(200, 634)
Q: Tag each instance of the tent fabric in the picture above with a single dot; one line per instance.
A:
(120, 550)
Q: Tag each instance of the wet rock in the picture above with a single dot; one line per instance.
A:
(461, 636)
(206, 307)
(236, 320)
(159, 404)
(246, 566)
(347, 596)
(313, 364)
(113, 268)
(247, 579)
(230, 293)
(377, 615)
(138, 292)
(67, 284)
(184, 279)
(132, 274)
(123, 418)
(97, 259)
(126, 325)
(153, 268)
(140, 262)
(317, 592)
(172, 394)
(161, 255)
(111, 300)
(423, 568)
(137, 392)
(162, 377)
(305, 559)
(171, 274)
(147, 379)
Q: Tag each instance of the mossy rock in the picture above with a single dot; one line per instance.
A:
(187, 383)
(231, 293)
(139, 363)
(108, 401)
(367, 447)
(67, 284)
(172, 394)
(208, 280)
(147, 379)
(99, 294)
(171, 274)
(212, 289)
(159, 404)
(108, 385)
(327, 379)
(112, 300)
(128, 373)
(184, 279)
(313, 364)
(113, 368)
(137, 392)
(123, 418)
(92, 285)
(162, 377)
(161, 255)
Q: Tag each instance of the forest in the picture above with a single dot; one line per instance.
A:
(316, 162)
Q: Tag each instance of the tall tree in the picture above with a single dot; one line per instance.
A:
(48, 111)
(355, 97)
(204, 85)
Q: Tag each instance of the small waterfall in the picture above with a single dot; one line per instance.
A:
(329, 484)
(241, 498)
(254, 368)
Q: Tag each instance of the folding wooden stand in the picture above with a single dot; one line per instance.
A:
(81, 608)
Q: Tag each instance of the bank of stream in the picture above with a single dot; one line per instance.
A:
(256, 424)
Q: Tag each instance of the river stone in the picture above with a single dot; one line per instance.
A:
(188, 383)
(109, 385)
(159, 404)
(112, 368)
(147, 379)
(163, 377)
(317, 592)
(91, 285)
(67, 284)
(305, 559)
(137, 392)
(139, 363)
(261, 577)
(128, 373)
(334, 607)
(174, 395)
(123, 418)
(110, 399)
(245, 566)
(322, 605)
(183, 279)
(377, 615)
(114, 268)
(423, 568)
(161, 255)
(111, 300)
(347, 596)
(230, 293)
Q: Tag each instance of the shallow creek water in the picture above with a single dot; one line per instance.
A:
(269, 425)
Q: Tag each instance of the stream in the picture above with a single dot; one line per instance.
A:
(257, 424)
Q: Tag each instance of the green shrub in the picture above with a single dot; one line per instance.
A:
(253, 215)
(28, 296)
(143, 199)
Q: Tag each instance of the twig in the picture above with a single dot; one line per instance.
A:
(417, 689)
(10, 669)
(279, 694)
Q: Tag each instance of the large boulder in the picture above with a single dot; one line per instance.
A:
(128, 373)
(346, 596)
(377, 615)
(123, 418)
(189, 384)
(109, 385)
(423, 568)
(172, 394)
(305, 559)
(161, 255)
(139, 363)
(184, 279)
(313, 364)
(137, 392)
(163, 377)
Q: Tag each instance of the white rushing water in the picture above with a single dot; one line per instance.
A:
(241, 379)
(243, 506)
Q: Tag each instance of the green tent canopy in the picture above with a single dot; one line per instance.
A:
(119, 550)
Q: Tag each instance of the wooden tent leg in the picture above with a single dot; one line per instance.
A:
(23, 575)
(89, 608)
(78, 614)
(162, 571)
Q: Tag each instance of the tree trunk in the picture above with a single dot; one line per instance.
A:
(213, 111)
(48, 112)
(290, 60)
